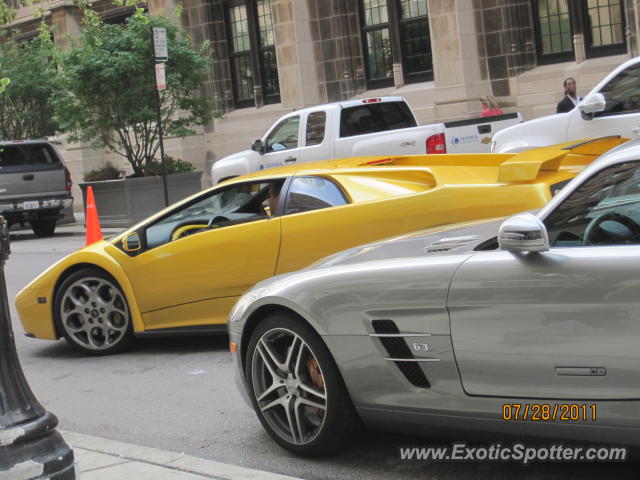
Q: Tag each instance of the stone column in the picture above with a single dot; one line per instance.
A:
(458, 58)
(297, 60)
(579, 47)
(67, 21)
(166, 8)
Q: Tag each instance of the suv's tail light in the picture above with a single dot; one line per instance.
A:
(436, 144)
(67, 178)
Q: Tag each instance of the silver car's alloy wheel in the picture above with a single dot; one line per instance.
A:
(289, 386)
(94, 313)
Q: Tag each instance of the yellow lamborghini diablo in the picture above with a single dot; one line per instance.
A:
(182, 269)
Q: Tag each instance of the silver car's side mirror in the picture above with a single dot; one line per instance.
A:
(523, 233)
(593, 103)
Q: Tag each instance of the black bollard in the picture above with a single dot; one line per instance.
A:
(30, 446)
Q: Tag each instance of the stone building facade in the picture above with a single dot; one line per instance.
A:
(272, 56)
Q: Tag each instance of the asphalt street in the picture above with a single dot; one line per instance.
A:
(178, 394)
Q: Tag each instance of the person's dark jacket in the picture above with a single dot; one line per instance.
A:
(565, 105)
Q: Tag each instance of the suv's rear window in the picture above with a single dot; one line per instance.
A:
(375, 117)
(19, 158)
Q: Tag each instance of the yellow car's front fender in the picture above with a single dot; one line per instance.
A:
(35, 302)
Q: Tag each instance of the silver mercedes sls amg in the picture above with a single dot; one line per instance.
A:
(529, 327)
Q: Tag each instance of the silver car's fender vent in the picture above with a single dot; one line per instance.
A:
(396, 346)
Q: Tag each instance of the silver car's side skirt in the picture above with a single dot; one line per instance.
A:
(413, 359)
(399, 334)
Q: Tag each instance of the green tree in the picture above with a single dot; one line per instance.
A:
(108, 97)
(25, 106)
(7, 13)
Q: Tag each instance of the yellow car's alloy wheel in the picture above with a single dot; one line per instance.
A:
(92, 313)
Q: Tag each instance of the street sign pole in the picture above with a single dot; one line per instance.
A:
(161, 55)
(30, 445)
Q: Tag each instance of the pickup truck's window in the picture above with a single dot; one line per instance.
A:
(240, 203)
(312, 193)
(622, 93)
(604, 210)
(316, 122)
(375, 117)
(17, 158)
(284, 135)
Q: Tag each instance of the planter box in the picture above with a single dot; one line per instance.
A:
(123, 203)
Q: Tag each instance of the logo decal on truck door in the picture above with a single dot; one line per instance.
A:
(465, 139)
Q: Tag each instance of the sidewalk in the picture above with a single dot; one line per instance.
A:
(102, 459)
(78, 226)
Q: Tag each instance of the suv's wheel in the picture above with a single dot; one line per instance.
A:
(296, 388)
(43, 228)
(92, 313)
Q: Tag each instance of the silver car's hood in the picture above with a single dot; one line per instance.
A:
(445, 240)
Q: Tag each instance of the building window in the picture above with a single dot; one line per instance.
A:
(396, 31)
(252, 53)
(240, 56)
(604, 27)
(601, 22)
(415, 41)
(270, 85)
(555, 35)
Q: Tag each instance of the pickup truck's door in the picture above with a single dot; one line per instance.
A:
(621, 115)
(316, 142)
(281, 144)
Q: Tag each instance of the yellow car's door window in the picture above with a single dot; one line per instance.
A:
(192, 280)
(239, 203)
(312, 193)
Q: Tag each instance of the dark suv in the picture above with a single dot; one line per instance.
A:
(34, 185)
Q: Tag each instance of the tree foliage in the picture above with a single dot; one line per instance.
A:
(28, 74)
(108, 87)
(7, 13)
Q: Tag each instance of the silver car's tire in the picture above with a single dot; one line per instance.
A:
(296, 388)
(92, 314)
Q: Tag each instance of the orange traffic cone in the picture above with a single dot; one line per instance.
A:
(91, 219)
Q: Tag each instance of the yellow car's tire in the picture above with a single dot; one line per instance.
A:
(296, 388)
(91, 312)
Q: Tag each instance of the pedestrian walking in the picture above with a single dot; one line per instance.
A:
(571, 98)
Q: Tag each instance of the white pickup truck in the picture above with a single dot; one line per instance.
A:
(611, 108)
(372, 126)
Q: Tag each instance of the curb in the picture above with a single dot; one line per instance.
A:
(100, 458)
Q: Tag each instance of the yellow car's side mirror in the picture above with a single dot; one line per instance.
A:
(131, 243)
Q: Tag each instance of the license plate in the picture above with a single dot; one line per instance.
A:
(30, 205)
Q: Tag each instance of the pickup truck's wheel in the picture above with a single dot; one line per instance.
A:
(92, 314)
(43, 228)
(296, 388)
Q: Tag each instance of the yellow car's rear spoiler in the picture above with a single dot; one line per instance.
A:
(527, 165)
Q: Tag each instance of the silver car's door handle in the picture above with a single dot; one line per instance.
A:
(28, 176)
(290, 159)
